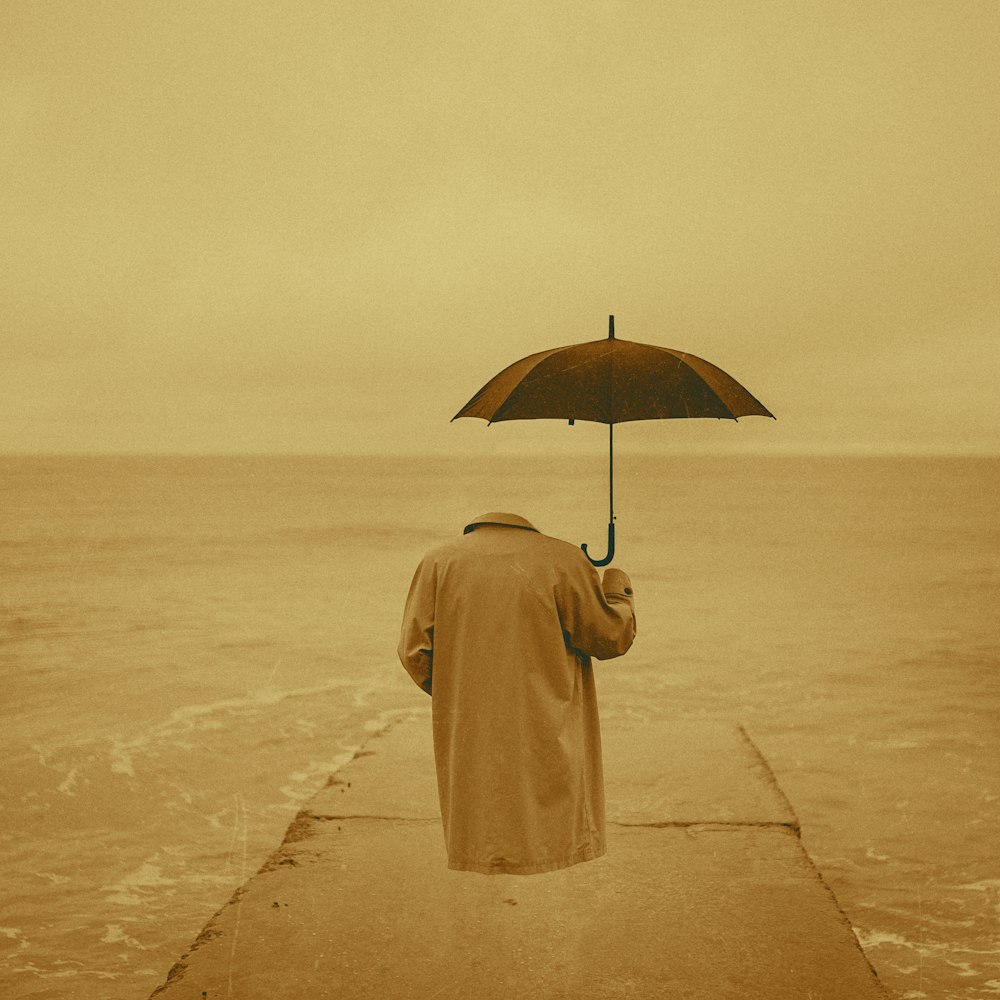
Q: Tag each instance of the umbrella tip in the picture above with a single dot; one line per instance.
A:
(611, 328)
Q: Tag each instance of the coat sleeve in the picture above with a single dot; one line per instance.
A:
(598, 617)
(416, 636)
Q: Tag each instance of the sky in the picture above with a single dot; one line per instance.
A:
(320, 227)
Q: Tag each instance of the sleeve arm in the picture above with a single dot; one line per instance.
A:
(416, 636)
(598, 617)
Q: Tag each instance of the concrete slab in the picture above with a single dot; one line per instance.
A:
(690, 772)
(392, 775)
(365, 907)
(667, 772)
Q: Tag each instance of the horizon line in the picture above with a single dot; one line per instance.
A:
(527, 453)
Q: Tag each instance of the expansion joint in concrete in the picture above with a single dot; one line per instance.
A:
(713, 824)
(326, 818)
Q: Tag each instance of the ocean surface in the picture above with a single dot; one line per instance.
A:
(189, 646)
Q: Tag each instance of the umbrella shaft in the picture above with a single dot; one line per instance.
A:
(611, 473)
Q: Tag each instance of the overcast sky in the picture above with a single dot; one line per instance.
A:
(315, 226)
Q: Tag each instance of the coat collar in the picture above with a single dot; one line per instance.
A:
(496, 517)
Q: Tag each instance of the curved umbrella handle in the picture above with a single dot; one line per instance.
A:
(611, 548)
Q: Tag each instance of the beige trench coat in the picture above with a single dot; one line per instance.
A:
(500, 627)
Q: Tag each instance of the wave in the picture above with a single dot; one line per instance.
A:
(200, 716)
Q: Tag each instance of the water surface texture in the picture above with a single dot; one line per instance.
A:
(189, 647)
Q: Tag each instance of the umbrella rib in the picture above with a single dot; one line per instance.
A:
(682, 357)
(535, 377)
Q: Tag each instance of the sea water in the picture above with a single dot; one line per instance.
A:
(189, 646)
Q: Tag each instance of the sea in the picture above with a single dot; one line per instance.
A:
(190, 646)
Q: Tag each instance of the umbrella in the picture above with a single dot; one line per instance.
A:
(610, 381)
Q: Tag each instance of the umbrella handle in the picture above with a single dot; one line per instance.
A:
(611, 548)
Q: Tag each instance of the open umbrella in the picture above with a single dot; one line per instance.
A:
(610, 381)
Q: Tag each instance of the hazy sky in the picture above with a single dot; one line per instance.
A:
(319, 226)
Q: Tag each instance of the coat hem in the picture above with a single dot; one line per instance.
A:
(485, 868)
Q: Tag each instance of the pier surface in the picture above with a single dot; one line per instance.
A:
(705, 892)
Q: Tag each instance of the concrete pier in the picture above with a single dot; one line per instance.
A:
(705, 892)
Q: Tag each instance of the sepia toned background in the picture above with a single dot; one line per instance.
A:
(317, 227)
(254, 256)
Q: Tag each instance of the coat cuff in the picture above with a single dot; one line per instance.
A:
(617, 584)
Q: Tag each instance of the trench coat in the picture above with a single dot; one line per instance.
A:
(500, 627)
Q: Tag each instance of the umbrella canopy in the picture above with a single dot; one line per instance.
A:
(611, 381)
